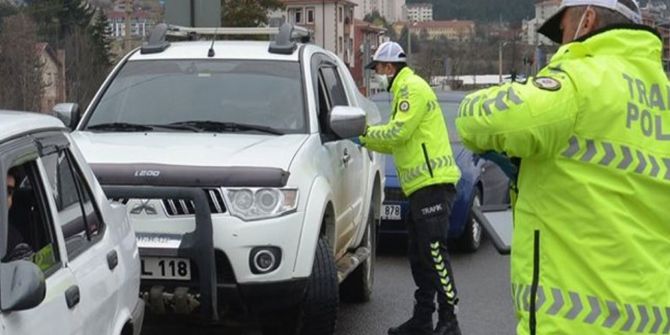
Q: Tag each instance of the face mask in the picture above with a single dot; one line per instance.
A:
(383, 80)
(581, 21)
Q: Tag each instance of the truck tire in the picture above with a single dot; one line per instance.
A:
(472, 236)
(358, 286)
(319, 311)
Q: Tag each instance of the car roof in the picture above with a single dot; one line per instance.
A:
(254, 50)
(444, 96)
(13, 123)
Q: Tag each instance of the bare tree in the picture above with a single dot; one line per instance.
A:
(21, 85)
(84, 72)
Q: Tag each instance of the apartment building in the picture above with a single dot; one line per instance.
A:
(453, 30)
(332, 22)
(544, 9)
(140, 23)
(419, 12)
(367, 37)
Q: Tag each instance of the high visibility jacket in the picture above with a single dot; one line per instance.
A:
(416, 136)
(591, 245)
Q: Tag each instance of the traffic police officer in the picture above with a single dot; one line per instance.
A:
(591, 245)
(416, 136)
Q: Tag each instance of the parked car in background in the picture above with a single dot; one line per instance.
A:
(70, 263)
(482, 182)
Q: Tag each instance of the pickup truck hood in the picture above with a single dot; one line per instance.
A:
(189, 149)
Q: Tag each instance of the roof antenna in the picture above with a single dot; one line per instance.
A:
(211, 53)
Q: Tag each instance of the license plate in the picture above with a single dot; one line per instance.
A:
(392, 212)
(166, 268)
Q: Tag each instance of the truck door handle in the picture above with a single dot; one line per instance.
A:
(112, 259)
(72, 296)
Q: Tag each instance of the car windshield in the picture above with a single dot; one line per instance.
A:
(186, 94)
(449, 110)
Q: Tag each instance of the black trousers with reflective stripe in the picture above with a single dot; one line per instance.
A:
(427, 229)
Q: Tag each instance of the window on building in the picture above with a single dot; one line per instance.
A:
(297, 16)
(340, 13)
(339, 47)
(310, 15)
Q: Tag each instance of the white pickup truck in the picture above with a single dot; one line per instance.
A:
(284, 216)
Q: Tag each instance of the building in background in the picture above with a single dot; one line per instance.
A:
(367, 38)
(544, 9)
(453, 30)
(419, 12)
(332, 22)
(140, 24)
(391, 10)
(53, 76)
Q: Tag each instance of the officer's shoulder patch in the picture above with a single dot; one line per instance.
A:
(404, 106)
(547, 83)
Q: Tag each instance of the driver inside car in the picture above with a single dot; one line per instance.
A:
(16, 247)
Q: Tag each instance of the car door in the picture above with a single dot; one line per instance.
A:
(33, 218)
(360, 157)
(330, 161)
(349, 161)
(89, 251)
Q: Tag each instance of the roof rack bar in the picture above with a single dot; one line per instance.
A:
(221, 31)
(285, 37)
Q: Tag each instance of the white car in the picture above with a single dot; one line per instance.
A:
(262, 131)
(70, 263)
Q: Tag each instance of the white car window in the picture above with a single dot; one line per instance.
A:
(78, 217)
(30, 227)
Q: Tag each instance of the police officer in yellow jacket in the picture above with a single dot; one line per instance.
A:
(591, 245)
(416, 136)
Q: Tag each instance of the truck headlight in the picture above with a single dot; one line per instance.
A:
(261, 203)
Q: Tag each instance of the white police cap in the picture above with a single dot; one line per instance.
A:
(388, 52)
(552, 27)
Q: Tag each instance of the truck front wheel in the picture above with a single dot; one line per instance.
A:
(318, 313)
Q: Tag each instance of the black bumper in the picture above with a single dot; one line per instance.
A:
(213, 280)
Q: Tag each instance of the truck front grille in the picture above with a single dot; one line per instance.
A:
(176, 207)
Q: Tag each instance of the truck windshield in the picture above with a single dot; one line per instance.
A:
(265, 94)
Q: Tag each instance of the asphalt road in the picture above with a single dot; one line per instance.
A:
(482, 279)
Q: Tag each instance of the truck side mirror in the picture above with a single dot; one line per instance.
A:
(68, 113)
(347, 122)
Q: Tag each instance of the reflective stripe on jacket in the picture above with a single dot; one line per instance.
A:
(591, 245)
(416, 136)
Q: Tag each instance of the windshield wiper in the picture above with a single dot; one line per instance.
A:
(178, 127)
(121, 126)
(217, 126)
